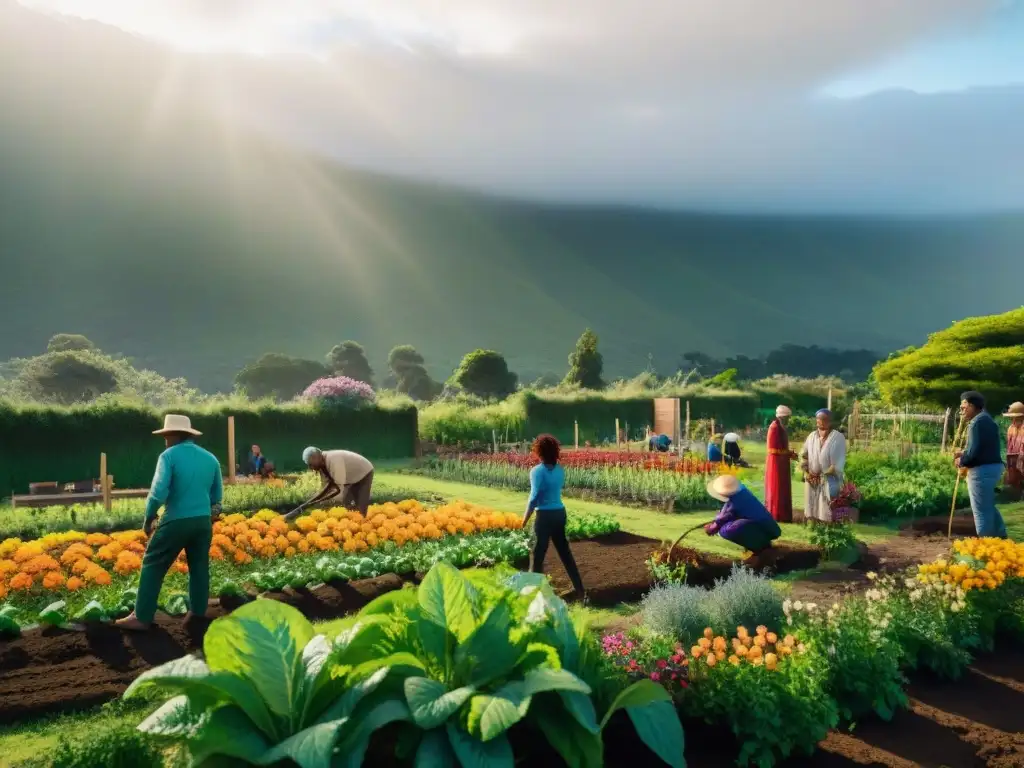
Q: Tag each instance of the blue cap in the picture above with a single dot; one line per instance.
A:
(308, 454)
(824, 412)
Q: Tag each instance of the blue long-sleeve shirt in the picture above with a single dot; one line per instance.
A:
(714, 452)
(546, 487)
(187, 483)
(983, 443)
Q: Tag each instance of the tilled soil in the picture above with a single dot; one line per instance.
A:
(963, 525)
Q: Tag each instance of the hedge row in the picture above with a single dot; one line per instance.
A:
(64, 444)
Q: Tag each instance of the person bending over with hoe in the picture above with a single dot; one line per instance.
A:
(188, 485)
(345, 474)
(743, 519)
(546, 480)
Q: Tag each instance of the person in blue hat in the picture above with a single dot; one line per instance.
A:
(348, 477)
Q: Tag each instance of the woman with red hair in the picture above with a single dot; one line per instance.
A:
(546, 480)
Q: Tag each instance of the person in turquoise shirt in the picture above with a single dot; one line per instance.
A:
(189, 486)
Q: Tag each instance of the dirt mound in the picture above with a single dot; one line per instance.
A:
(613, 567)
(703, 569)
(58, 670)
(963, 526)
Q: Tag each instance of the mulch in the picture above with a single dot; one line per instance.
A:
(963, 526)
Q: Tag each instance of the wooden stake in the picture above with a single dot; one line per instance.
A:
(108, 493)
(104, 482)
(231, 450)
(945, 429)
(494, 440)
(576, 434)
(687, 434)
(829, 406)
(617, 433)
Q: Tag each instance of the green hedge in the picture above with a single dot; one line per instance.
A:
(64, 444)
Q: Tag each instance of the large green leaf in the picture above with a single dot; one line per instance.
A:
(176, 719)
(431, 703)
(311, 747)
(447, 599)
(262, 643)
(389, 602)
(578, 747)
(543, 679)
(491, 715)
(435, 751)
(581, 707)
(192, 677)
(353, 748)
(638, 694)
(473, 753)
(488, 652)
(347, 703)
(657, 724)
(366, 639)
(228, 732)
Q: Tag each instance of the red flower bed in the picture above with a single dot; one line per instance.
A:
(590, 459)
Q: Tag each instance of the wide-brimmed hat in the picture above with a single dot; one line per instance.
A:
(783, 411)
(724, 487)
(176, 423)
(1015, 411)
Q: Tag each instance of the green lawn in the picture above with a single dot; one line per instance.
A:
(663, 526)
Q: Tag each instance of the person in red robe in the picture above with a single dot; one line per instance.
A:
(778, 479)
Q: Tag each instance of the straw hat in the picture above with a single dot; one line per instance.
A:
(175, 423)
(724, 487)
(1015, 411)
(732, 437)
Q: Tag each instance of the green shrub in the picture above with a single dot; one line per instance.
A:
(116, 746)
(683, 612)
(744, 599)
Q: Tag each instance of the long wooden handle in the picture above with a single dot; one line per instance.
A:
(685, 534)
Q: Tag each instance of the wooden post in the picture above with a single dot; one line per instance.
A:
(687, 433)
(625, 437)
(231, 450)
(576, 434)
(945, 429)
(104, 482)
(616, 434)
(494, 440)
(829, 406)
(108, 493)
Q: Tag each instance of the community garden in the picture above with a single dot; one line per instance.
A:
(338, 640)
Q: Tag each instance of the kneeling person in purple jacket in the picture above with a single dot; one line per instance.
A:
(743, 519)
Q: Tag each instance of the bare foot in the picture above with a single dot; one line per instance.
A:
(132, 624)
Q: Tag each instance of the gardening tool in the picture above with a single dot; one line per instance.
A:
(958, 441)
(685, 534)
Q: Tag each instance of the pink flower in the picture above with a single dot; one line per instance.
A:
(655, 676)
(662, 663)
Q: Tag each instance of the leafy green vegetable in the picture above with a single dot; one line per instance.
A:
(9, 626)
(55, 614)
(92, 612)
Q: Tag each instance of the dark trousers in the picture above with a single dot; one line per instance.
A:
(357, 495)
(192, 534)
(550, 528)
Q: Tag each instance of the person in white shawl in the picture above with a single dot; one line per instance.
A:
(822, 460)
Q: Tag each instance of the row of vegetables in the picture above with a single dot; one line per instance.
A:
(63, 577)
(490, 668)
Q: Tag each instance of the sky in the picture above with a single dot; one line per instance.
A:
(844, 105)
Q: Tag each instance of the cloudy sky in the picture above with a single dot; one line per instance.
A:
(835, 105)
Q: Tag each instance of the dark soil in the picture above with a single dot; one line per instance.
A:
(613, 567)
(58, 670)
(963, 526)
(704, 569)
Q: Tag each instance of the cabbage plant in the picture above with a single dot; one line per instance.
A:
(267, 692)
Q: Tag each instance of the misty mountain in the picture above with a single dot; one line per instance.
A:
(135, 209)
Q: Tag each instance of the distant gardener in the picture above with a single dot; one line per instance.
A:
(822, 460)
(345, 474)
(983, 462)
(188, 485)
(743, 519)
(1015, 447)
(659, 443)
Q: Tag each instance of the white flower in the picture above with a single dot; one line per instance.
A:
(873, 595)
(956, 607)
(872, 575)
(910, 583)
(884, 623)
(811, 606)
(787, 606)
(789, 620)
(915, 595)
(831, 650)
(798, 606)
(835, 606)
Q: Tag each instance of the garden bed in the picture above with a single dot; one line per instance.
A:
(703, 569)
(57, 670)
(963, 526)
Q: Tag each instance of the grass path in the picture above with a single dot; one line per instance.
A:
(643, 522)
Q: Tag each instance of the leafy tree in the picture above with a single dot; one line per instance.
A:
(411, 375)
(68, 377)
(981, 353)
(485, 373)
(69, 342)
(727, 379)
(585, 363)
(349, 359)
(279, 376)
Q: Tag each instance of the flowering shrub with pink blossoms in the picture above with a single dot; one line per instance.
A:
(649, 657)
(340, 390)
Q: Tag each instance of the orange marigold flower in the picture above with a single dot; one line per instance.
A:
(21, 582)
(75, 583)
(53, 580)
(216, 553)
